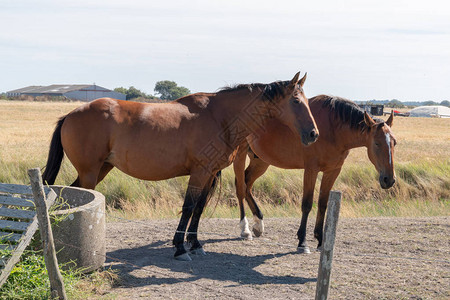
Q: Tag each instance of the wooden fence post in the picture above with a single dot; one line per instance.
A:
(326, 256)
(51, 262)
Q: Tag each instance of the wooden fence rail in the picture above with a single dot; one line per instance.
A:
(22, 210)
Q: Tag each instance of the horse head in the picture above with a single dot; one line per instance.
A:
(296, 113)
(380, 149)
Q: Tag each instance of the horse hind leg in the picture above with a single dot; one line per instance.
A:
(89, 174)
(193, 195)
(192, 237)
(86, 179)
(76, 183)
(104, 170)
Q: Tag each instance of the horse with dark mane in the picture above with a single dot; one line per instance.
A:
(197, 135)
(343, 126)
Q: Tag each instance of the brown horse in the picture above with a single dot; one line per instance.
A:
(197, 135)
(343, 126)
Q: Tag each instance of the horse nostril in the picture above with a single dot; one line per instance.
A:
(313, 134)
(385, 179)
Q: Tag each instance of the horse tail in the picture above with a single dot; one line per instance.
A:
(217, 178)
(55, 155)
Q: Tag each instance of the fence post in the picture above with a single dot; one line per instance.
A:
(326, 256)
(51, 262)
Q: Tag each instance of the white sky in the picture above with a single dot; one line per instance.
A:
(360, 50)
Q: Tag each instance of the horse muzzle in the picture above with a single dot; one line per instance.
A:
(386, 181)
(309, 136)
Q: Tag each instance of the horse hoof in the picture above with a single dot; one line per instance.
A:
(247, 235)
(198, 251)
(183, 257)
(303, 250)
(257, 232)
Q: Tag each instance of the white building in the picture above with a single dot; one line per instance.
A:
(81, 92)
(436, 111)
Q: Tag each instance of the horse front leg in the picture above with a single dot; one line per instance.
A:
(309, 181)
(328, 180)
(239, 174)
(255, 169)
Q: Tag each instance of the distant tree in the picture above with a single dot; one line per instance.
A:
(168, 90)
(133, 93)
(445, 103)
(121, 90)
(395, 103)
(427, 103)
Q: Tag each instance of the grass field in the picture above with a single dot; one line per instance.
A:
(422, 160)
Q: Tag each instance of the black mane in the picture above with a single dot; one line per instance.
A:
(270, 90)
(346, 110)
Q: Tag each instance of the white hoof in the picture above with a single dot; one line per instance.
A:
(183, 257)
(304, 250)
(245, 231)
(247, 235)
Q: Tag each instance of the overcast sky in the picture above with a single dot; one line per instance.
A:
(360, 50)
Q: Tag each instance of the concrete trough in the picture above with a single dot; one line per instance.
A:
(80, 237)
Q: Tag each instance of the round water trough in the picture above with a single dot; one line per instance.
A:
(80, 236)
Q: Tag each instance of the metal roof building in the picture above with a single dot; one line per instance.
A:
(81, 92)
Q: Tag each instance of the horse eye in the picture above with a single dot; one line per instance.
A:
(377, 144)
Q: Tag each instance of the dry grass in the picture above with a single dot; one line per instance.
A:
(26, 128)
(422, 160)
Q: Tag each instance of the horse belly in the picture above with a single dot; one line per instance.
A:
(149, 163)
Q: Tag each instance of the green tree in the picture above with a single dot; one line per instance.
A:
(429, 103)
(132, 93)
(395, 103)
(121, 90)
(445, 103)
(168, 90)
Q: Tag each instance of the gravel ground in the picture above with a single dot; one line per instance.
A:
(374, 258)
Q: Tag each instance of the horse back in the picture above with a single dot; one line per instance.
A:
(147, 141)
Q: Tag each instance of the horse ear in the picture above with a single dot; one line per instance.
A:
(295, 79)
(390, 119)
(302, 81)
(368, 120)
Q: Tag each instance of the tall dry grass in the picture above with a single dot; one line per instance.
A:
(422, 159)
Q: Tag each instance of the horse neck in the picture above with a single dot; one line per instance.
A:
(243, 112)
(350, 138)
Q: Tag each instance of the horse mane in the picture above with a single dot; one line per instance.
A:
(270, 91)
(347, 111)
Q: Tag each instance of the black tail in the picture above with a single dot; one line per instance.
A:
(211, 191)
(55, 155)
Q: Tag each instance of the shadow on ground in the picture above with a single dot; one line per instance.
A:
(154, 264)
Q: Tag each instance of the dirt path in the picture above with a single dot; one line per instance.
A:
(375, 258)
